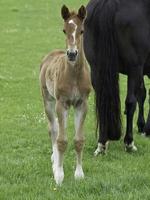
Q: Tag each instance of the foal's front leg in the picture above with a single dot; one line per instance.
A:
(61, 141)
(80, 114)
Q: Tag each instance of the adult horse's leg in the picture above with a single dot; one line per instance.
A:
(102, 143)
(147, 125)
(102, 137)
(134, 82)
(80, 114)
(102, 53)
(61, 140)
(141, 95)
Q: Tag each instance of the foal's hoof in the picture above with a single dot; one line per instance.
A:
(79, 174)
(130, 147)
(101, 149)
(59, 176)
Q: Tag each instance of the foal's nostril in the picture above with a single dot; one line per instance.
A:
(72, 54)
(76, 52)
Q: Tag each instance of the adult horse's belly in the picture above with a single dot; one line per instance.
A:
(124, 70)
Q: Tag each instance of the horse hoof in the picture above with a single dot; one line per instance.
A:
(130, 147)
(143, 134)
(147, 135)
(98, 151)
(59, 176)
(79, 174)
(101, 149)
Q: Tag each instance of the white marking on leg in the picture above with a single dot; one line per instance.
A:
(79, 174)
(130, 147)
(59, 175)
(54, 158)
(101, 149)
(58, 168)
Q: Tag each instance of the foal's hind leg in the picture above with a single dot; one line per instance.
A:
(80, 114)
(141, 95)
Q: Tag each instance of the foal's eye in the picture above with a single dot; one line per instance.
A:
(64, 31)
(82, 31)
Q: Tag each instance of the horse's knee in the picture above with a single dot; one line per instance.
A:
(62, 145)
(79, 145)
(130, 103)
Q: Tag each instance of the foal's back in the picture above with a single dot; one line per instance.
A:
(50, 65)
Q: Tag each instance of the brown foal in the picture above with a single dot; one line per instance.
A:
(65, 81)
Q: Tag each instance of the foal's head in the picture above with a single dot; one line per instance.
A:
(73, 29)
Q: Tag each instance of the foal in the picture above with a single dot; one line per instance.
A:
(65, 81)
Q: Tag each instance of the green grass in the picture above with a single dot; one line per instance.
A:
(28, 30)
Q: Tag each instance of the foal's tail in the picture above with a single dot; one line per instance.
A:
(107, 76)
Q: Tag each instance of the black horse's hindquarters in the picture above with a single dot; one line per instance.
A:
(116, 32)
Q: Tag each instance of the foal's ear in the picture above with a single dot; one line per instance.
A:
(82, 12)
(65, 12)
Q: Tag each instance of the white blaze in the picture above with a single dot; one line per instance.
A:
(74, 33)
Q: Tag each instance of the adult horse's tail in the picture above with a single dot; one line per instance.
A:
(104, 68)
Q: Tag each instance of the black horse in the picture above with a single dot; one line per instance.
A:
(117, 40)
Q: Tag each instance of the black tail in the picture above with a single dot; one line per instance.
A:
(105, 75)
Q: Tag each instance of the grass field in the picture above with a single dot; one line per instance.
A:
(28, 30)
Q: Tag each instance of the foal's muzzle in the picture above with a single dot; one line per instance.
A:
(72, 54)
